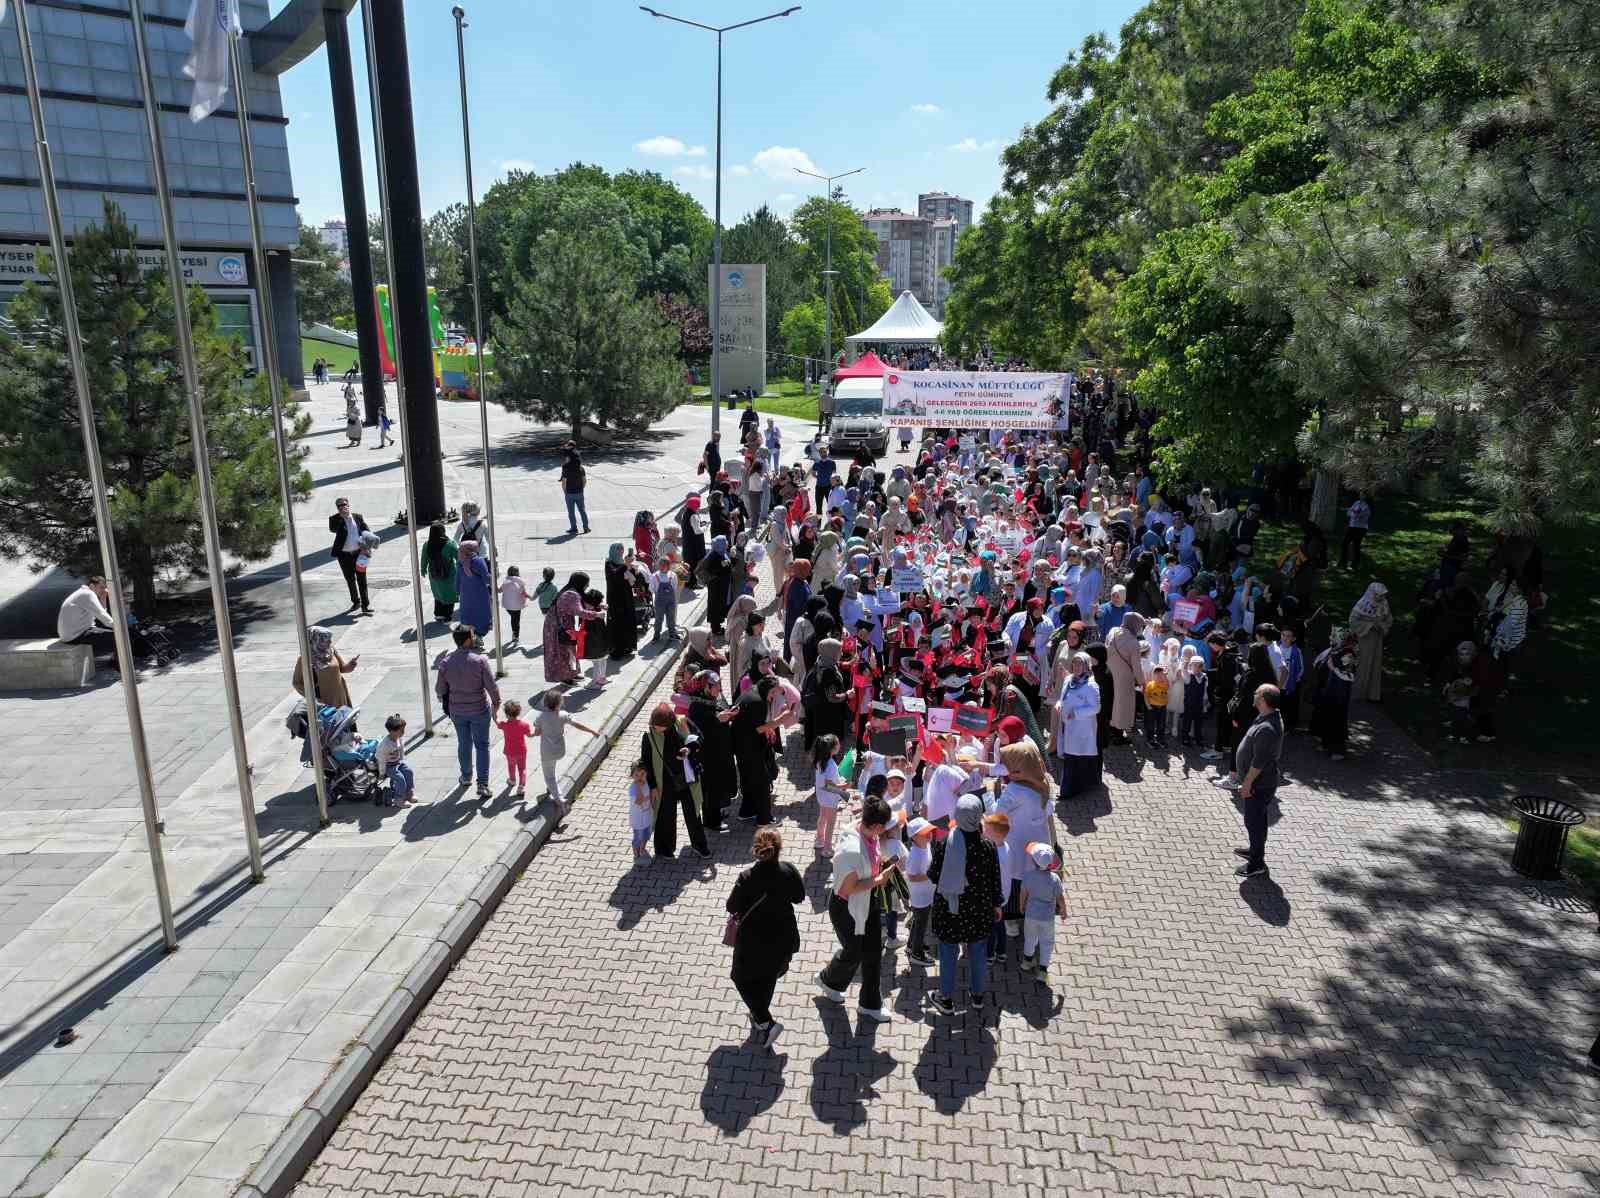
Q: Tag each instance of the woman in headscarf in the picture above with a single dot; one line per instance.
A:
(779, 551)
(825, 565)
(1074, 727)
(621, 615)
(477, 601)
(1014, 702)
(1126, 661)
(1025, 801)
(1333, 676)
(1064, 642)
(561, 630)
(739, 614)
(753, 733)
(805, 541)
(712, 718)
(851, 609)
(895, 523)
(693, 525)
(664, 748)
(1370, 621)
(327, 669)
(856, 905)
(439, 568)
(1102, 678)
(646, 536)
(699, 655)
(474, 528)
(825, 693)
(1086, 587)
(1144, 587)
(965, 872)
(717, 573)
(796, 594)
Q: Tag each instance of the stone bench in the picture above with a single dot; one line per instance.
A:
(43, 665)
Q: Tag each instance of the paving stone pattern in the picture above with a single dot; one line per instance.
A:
(1394, 1011)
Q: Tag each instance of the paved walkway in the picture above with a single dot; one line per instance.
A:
(185, 1066)
(1394, 1011)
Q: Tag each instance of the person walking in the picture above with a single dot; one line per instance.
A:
(667, 751)
(766, 935)
(622, 617)
(347, 527)
(1358, 518)
(477, 594)
(467, 690)
(1257, 757)
(855, 908)
(475, 528)
(440, 568)
(1370, 621)
(573, 480)
(965, 872)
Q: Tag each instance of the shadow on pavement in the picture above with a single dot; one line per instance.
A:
(1266, 898)
(1450, 1016)
(843, 1077)
(741, 1082)
(956, 1061)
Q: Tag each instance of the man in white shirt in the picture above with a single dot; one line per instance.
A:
(84, 620)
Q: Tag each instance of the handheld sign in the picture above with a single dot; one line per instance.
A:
(973, 719)
(941, 719)
(891, 742)
(913, 705)
(1186, 611)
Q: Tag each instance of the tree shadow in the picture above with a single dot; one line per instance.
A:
(955, 1063)
(741, 1082)
(1461, 1010)
(843, 1077)
(541, 449)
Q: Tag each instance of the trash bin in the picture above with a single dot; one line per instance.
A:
(1542, 836)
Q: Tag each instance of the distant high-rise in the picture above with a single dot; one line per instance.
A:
(951, 216)
(336, 237)
(905, 251)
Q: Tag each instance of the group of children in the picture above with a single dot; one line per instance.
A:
(550, 725)
(908, 840)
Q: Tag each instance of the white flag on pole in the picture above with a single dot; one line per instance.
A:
(211, 26)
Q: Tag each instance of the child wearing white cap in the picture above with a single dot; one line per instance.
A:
(1042, 903)
(920, 833)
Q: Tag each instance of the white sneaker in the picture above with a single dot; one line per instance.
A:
(876, 1014)
(1224, 783)
(771, 1034)
(828, 992)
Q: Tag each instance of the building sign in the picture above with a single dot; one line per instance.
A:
(743, 336)
(973, 399)
(213, 268)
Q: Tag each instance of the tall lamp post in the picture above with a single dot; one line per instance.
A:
(827, 271)
(716, 237)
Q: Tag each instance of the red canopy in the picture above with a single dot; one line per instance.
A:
(870, 366)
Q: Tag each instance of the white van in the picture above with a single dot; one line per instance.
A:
(857, 418)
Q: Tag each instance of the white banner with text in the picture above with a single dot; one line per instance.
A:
(975, 399)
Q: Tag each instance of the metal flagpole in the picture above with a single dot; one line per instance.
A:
(477, 317)
(269, 357)
(97, 482)
(202, 452)
(369, 37)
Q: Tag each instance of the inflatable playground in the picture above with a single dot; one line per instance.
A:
(455, 367)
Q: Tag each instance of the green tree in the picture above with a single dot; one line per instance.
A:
(143, 425)
(579, 342)
(803, 331)
(855, 250)
(321, 293)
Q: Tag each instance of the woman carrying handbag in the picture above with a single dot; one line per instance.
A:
(762, 930)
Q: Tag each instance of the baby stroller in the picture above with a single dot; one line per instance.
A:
(643, 601)
(350, 762)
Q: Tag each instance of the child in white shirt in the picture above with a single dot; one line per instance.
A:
(830, 789)
(918, 860)
(514, 597)
(641, 811)
(1042, 903)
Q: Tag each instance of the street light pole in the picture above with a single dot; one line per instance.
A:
(716, 235)
(477, 319)
(827, 273)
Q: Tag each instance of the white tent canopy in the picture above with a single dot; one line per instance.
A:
(906, 322)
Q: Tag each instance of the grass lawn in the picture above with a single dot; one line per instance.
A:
(1547, 719)
(790, 400)
(339, 357)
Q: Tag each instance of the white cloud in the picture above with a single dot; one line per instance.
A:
(668, 147)
(971, 145)
(927, 110)
(516, 164)
(739, 170)
(786, 197)
(781, 162)
(693, 172)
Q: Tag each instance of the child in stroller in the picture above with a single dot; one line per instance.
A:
(350, 762)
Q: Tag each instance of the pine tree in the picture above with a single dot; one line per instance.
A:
(137, 386)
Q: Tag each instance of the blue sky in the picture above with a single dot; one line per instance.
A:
(924, 95)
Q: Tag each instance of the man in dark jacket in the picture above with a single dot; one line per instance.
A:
(347, 527)
(573, 480)
(1258, 756)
